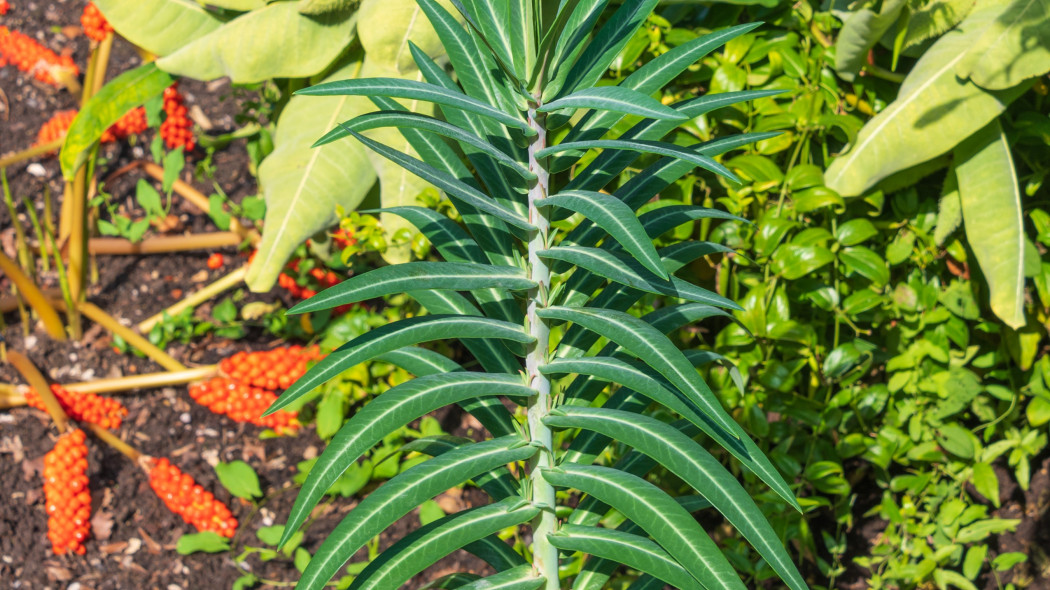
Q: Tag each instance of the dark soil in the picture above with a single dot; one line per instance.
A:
(134, 535)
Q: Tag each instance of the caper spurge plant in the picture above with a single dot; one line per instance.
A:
(516, 271)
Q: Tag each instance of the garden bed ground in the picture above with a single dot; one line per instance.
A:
(134, 536)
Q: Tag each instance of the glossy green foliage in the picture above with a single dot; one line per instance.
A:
(539, 276)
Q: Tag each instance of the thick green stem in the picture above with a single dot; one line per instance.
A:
(545, 555)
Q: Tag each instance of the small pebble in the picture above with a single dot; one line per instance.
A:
(185, 417)
(174, 587)
(73, 586)
(35, 169)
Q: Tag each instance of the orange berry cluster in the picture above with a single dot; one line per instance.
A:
(176, 130)
(55, 127)
(188, 499)
(83, 407)
(324, 280)
(66, 494)
(27, 55)
(95, 26)
(132, 123)
(271, 369)
(242, 403)
(4, 7)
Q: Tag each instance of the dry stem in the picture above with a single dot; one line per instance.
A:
(227, 282)
(32, 294)
(37, 381)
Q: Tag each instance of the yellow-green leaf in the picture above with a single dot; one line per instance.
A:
(159, 26)
(1012, 49)
(385, 28)
(934, 111)
(304, 185)
(125, 92)
(991, 208)
(272, 42)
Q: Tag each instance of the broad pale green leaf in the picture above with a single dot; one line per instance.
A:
(860, 32)
(616, 218)
(409, 276)
(694, 157)
(455, 188)
(521, 577)
(384, 414)
(424, 123)
(934, 111)
(991, 208)
(403, 493)
(691, 462)
(420, 549)
(393, 336)
(303, 186)
(651, 346)
(385, 28)
(159, 26)
(618, 99)
(633, 551)
(411, 89)
(1015, 47)
(271, 42)
(125, 92)
(623, 269)
(656, 513)
(239, 5)
(313, 7)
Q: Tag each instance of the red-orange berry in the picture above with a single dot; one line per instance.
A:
(215, 261)
(132, 123)
(83, 407)
(95, 26)
(66, 494)
(176, 130)
(29, 56)
(55, 128)
(188, 499)
(4, 7)
(285, 363)
(244, 403)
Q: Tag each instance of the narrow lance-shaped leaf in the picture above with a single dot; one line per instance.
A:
(401, 119)
(658, 514)
(633, 551)
(521, 577)
(491, 412)
(454, 187)
(392, 410)
(623, 269)
(616, 218)
(650, 345)
(498, 483)
(397, 88)
(648, 147)
(122, 94)
(409, 276)
(617, 99)
(403, 493)
(393, 336)
(691, 462)
(426, 545)
(602, 50)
